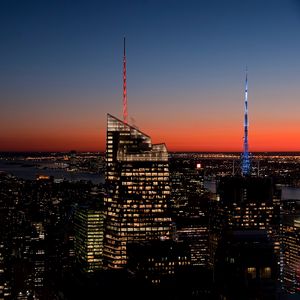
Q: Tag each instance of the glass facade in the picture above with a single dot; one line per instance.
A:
(137, 203)
(89, 239)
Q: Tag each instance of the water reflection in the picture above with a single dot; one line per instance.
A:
(29, 172)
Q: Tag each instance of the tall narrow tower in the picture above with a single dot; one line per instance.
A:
(125, 113)
(246, 169)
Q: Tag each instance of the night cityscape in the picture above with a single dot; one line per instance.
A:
(149, 150)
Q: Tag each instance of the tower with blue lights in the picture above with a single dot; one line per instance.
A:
(246, 168)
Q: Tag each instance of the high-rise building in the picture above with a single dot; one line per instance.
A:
(137, 203)
(245, 203)
(190, 207)
(193, 231)
(187, 182)
(246, 266)
(5, 289)
(158, 261)
(89, 238)
(290, 246)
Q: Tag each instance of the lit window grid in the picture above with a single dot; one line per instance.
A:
(140, 191)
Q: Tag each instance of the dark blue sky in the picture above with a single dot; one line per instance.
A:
(61, 69)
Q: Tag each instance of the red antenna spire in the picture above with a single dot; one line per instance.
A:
(125, 113)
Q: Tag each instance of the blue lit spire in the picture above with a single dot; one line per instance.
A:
(246, 168)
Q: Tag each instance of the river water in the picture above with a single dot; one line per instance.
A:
(29, 172)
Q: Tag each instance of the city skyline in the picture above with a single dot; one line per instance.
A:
(62, 72)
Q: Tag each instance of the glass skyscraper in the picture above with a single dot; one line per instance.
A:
(137, 202)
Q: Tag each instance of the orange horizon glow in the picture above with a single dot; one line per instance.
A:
(179, 140)
(185, 75)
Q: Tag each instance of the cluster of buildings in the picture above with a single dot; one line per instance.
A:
(153, 230)
(37, 234)
(160, 225)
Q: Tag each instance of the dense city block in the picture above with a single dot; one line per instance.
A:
(148, 223)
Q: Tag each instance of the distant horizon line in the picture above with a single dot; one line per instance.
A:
(174, 151)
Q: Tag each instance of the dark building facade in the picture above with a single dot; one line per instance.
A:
(290, 246)
(158, 261)
(245, 203)
(245, 266)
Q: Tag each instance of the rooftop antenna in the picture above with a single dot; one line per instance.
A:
(245, 156)
(125, 113)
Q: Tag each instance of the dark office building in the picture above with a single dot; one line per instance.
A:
(193, 231)
(245, 266)
(245, 203)
(158, 261)
(290, 246)
(187, 182)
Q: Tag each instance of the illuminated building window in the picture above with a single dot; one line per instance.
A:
(265, 272)
(251, 271)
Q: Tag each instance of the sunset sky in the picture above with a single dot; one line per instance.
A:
(61, 73)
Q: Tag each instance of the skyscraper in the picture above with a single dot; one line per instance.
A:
(246, 266)
(89, 238)
(246, 203)
(137, 203)
(290, 246)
